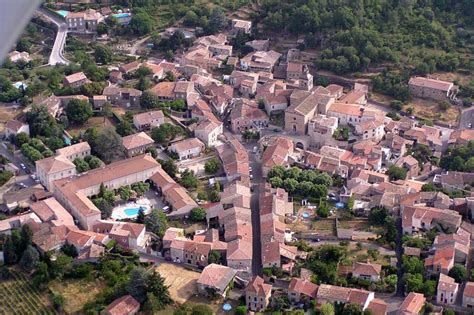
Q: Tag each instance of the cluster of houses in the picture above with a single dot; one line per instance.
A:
(261, 84)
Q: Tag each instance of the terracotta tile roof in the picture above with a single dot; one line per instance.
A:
(234, 158)
(187, 144)
(352, 97)
(75, 77)
(366, 269)
(303, 287)
(378, 307)
(259, 287)
(164, 89)
(359, 297)
(132, 66)
(147, 117)
(239, 249)
(334, 89)
(469, 290)
(137, 140)
(447, 283)
(412, 304)
(216, 276)
(51, 210)
(14, 125)
(73, 188)
(123, 306)
(346, 109)
(277, 154)
(74, 149)
(333, 293)
(430, 83)
(55, 164)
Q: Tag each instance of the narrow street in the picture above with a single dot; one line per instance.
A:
(256, 166)
(399, 251)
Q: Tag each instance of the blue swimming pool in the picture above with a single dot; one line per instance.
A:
(121, 15)
(339, 205)
(227, 307)
(131, 212)
(305, 215)
(62, 13)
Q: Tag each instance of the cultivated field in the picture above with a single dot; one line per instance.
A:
(18, 296)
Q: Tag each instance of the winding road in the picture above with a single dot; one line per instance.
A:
(56, 56)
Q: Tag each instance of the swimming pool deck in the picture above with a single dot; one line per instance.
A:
(118, 213)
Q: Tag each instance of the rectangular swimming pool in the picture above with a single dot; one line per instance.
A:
(132, 211)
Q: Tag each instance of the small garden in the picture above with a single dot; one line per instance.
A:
(106, 198)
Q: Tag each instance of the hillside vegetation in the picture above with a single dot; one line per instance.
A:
(353, 35)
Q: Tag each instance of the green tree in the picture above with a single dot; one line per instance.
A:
(156, 222)
(323, 210)
(169, 166)
(164, 133)
(78, 111)
(23, 45)
(201, 309)
(276, 182)
(140, 217)
(156, 285)
(137, 284)
(141, 23)
(352, 309)
(414, 282)
(327, 309)
(21, 138)
(69, 250)
(30, 258)
(61, 266)
(108, 145)
(9, 251)
(81, 165)
(429, 288)
(93, 161)
(377, 215)
(396, 173)
(444, 106)
(189, 179)
(212, 166)
(148, 100)
(214, 257)
(458, 273)
(124, 128)
(58, 301)
(242, 310)
(125, 193)
(102, 54)
(41, 122)
(198, 214)
(217, 21)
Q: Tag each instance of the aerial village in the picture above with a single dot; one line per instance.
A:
(229, 174)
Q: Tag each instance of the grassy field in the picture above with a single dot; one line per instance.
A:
(96, 121)
(429, 109)
(76, 292)
(18, 296)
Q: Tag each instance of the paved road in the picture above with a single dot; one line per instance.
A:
(255, 208)
(467, 117)
(136, 46)
(56, 56)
